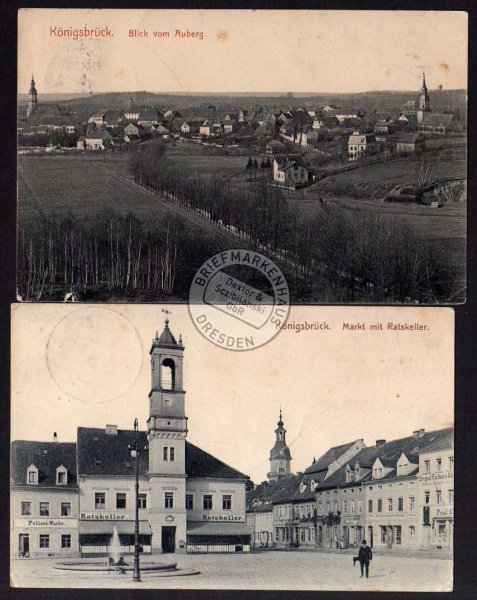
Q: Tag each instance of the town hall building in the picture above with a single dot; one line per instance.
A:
(73, 498)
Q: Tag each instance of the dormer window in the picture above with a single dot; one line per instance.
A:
(312, 485)
(61, 475)
(32, 475)
(302, 487)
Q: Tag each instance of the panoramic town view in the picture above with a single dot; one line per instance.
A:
(359, 196)
(194, 495)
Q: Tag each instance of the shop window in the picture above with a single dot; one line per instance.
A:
(207, 502)
(65, 509)
(189, 502)
(400, 504)
(142, 501)
(66, 540)
(169, 500)
(26, 508)
(44, 541)
(411, 503)
(227, 502)
(99, 500)
(44, 509)
(120, 500)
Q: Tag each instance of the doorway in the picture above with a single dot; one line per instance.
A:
(168, 540)
(24, 544)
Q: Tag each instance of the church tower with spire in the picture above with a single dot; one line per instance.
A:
(424, 104)
(166, 436)
(280, 456)
(32, 98)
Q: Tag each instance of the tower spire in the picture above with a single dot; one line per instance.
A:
(280, 456)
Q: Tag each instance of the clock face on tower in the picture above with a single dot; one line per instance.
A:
(169, 400)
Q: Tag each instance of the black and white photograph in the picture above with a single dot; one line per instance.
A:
(332, 142)
(144, 456)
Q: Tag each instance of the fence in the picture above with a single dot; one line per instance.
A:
(216, 548)
(107, 550)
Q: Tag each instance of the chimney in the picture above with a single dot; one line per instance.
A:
(380, 443)
(55, 436)
(415, 433)
(111, 430)
(421, 432)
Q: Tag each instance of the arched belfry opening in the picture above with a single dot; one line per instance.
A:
(168, 374)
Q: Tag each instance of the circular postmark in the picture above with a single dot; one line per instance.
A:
(94, 354)
(239, 299)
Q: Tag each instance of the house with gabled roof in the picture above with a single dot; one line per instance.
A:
(290, 171)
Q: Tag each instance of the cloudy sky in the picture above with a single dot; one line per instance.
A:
(79, 365)
(242, 50)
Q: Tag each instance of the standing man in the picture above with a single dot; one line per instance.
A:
(365, 555)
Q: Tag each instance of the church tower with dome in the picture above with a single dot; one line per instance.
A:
(280, 456)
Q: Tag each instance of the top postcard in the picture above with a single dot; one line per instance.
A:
(235, 157)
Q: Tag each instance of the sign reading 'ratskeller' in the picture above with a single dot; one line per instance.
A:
(100, 517)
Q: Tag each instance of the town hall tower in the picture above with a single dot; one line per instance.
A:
(280, 456)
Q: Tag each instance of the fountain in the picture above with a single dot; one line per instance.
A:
(116, 563)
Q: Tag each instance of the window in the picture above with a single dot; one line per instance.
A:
(227, 502)
(438, 464)
(345, 506)
(427, 497)
(207, 502)
(26, 508)
(352, 506)
(412, 533)
(380, 505)
(451, 463)
(411, 502)
(44, 540)
(120, 500)
(427, 466)
(142, 500)
(384, 534)
(189, 502)
(400, 505)
(168, 454)
(61, 476)
(390, 504)
(370, 506)
(328, 507)
(320, 508)
(397, 534)
(99, 500)
(44, 509)
(66, 541)
(32, 475)
(169, 500)
(65, 509)
(336, 506)
(438, 496)
(360, 506)
(451, 496)
(302, 535)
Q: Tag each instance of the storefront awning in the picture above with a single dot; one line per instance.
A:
(107, 527)
(208, 528)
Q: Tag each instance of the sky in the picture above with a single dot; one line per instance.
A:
(241, 51)
(88, 365)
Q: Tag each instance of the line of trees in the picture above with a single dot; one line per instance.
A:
(110, 255)
(336, 256)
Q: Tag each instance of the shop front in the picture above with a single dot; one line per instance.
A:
(105, 538)
(214, 537)
(442, 534)
(44, 537)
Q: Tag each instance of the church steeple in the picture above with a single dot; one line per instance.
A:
(424, 104)
(32, 98)
(280, 456)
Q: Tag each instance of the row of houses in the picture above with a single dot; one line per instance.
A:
(396, 494)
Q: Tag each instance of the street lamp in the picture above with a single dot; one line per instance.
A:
(135, 453)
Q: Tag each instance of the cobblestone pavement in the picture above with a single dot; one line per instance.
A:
(294, 570)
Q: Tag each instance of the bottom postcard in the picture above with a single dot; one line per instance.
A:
(322, 460)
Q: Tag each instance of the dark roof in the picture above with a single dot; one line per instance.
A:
(436, 120)
(166, 339)
(47, 457)
(100, 453)
(330, 456)
(407, 138)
